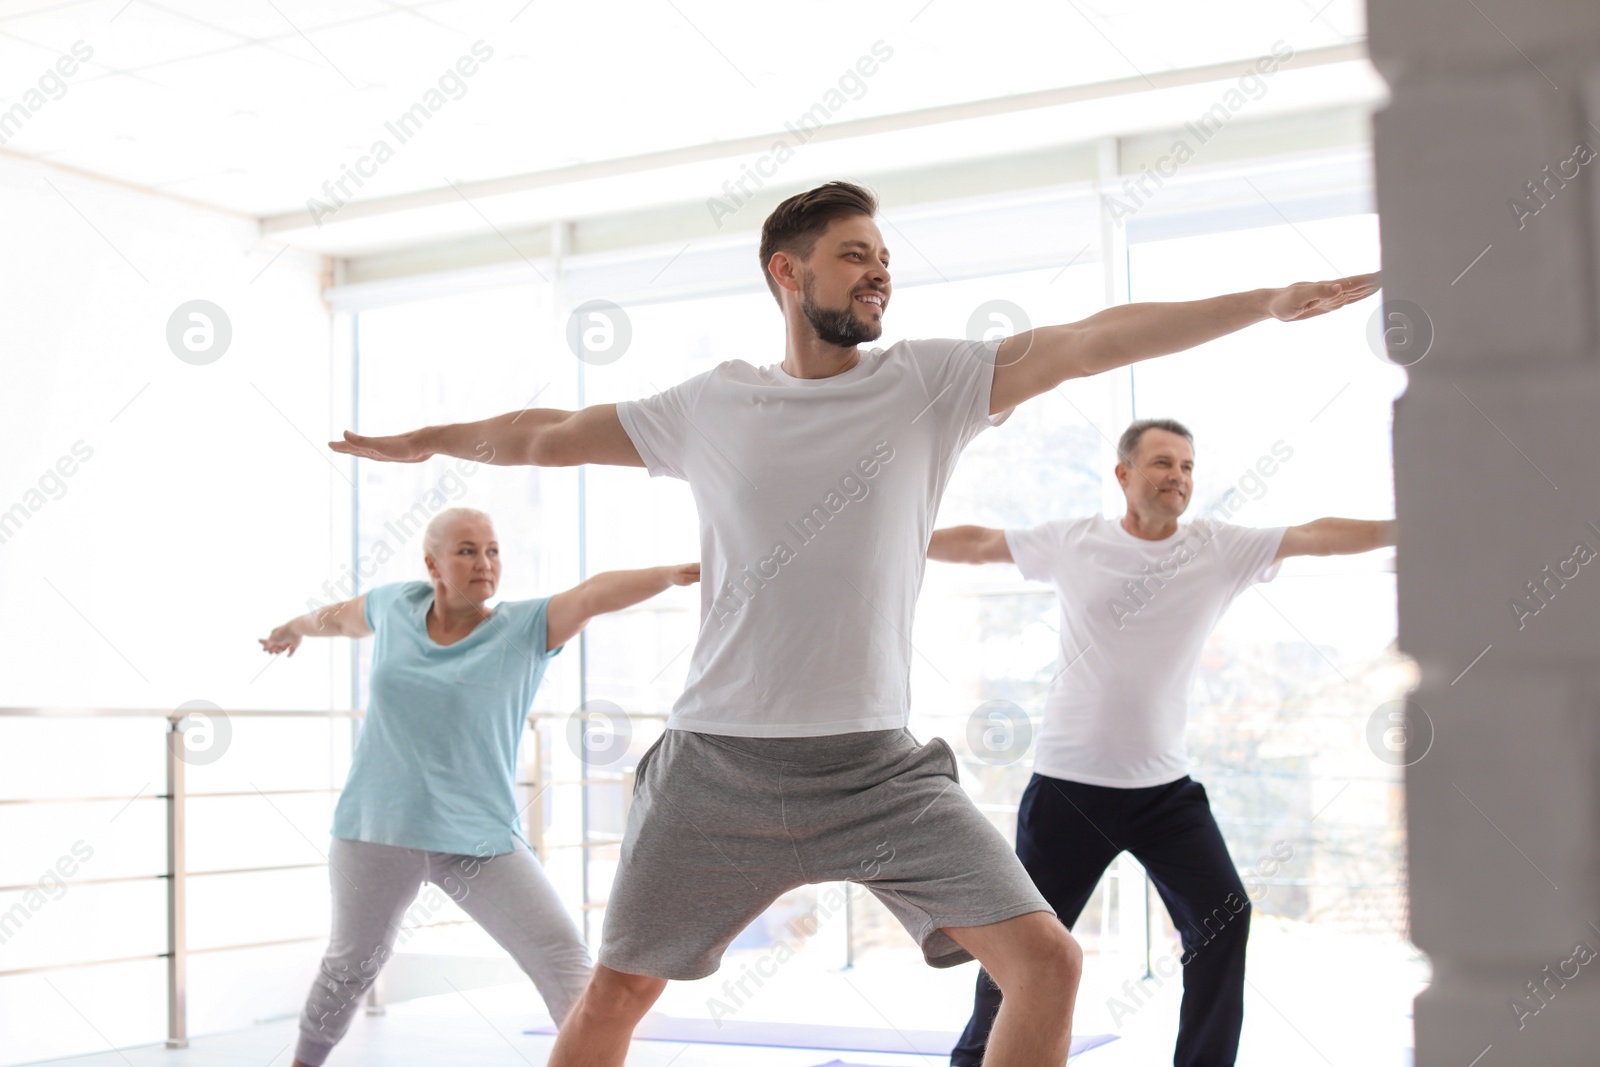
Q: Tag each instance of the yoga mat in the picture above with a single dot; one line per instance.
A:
(657, 1027)
(1079, 1044)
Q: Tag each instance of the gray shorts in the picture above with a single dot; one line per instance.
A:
(722, 826)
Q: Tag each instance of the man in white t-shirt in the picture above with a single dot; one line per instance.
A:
(786, 761)
(1139, 594)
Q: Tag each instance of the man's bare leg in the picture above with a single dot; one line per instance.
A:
(598, 1030)
(1036, 963)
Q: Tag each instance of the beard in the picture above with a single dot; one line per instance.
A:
(836, 327)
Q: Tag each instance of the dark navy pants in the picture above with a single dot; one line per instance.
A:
(1068, 833)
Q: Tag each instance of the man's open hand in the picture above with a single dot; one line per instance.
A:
(1305, 300)
(402, 448)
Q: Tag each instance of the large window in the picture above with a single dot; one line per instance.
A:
(1295, 670)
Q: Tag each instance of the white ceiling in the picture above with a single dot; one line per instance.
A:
(251, 105)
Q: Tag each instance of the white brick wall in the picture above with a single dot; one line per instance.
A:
(1496, 479)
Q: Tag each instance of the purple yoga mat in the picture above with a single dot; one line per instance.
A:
(657, 1027)
(1090, 1042)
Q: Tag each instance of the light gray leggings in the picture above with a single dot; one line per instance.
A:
(374, 885)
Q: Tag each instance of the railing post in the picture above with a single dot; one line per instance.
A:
(849, 927)
(177, 892)
(533, 824)
(630, 776)
(1133, 913)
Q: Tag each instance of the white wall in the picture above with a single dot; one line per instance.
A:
(194, 516)
(143, 579)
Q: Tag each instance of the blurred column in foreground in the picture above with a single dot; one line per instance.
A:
(1488, 182)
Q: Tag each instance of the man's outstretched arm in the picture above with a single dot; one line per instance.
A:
(537, 437)
(1038, 360)
(969, 544)
(1335, 537)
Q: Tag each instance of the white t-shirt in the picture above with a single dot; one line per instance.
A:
(816, 499)
(1134, 617)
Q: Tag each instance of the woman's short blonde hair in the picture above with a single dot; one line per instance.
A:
(433, 537)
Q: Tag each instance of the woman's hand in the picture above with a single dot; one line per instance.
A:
(283, 639)
(684, 574)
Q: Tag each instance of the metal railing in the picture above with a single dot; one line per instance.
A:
(176, 873)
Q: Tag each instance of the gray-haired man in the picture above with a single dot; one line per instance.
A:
(1139, 594)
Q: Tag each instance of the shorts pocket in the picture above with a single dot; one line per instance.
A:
(638, 768)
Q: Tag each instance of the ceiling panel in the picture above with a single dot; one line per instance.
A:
(11, 9)
(257, 21)
(97, 125)
(22, 61)
(138, 36)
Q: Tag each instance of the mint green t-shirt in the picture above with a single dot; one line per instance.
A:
(436, 764)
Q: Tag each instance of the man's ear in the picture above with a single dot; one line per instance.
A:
(785, 270)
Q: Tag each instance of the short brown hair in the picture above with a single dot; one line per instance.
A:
(795, 224)
(1130, 437)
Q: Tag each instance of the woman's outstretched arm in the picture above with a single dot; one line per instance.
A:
(570, 611)
(348, 618)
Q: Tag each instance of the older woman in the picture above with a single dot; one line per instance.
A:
(431, 794)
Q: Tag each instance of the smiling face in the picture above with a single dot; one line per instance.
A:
(1160, 478)
(465, 561)
(844, 283)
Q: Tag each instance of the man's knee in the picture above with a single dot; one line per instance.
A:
(1052, 962)
(622, 992)
(1238, 929)
(1225, 930)
(1065, 958)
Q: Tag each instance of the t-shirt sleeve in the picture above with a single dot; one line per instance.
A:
(957, 378)
(1250, 551)
(381, 599)
(662, 427)
(529, 625)
(1034, 549)
(541, 629)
